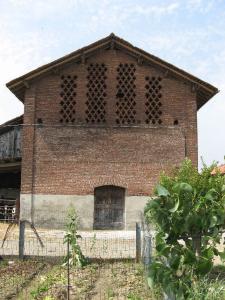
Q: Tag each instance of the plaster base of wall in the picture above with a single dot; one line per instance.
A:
(50, 211)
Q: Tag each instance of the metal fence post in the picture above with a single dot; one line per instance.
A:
(147, 251)
(138, 242)
(21, 239)
(68, 270)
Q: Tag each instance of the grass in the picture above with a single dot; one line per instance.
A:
(207, 289)
(218, 271)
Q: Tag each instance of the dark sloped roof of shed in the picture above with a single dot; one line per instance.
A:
(205, 91)
(11, 124)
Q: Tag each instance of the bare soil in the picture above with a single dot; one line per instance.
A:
(15, 275)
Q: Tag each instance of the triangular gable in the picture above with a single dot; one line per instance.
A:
(204, 90)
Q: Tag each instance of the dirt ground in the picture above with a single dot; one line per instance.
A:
(15, 274)
(36, 280)
(106, 281)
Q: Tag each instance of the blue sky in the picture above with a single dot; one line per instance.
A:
(187, 33)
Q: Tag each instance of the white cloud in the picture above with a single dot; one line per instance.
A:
(158, 10)
(19, 56)
(202, 6)
(116, 14)
(43, 8)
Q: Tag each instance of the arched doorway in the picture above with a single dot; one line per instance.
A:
(109, 207)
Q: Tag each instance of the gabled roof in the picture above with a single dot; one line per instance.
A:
(204, 90)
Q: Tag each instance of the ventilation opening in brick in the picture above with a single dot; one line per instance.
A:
(96, 94)
(126, 103)
(153, 103)
(175, 122)
(68, 98)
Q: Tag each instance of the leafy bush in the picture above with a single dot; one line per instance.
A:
(189, 216)
(75, 256)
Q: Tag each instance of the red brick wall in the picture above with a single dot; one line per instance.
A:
(60, 159)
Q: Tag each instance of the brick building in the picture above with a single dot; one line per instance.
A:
(99, 126)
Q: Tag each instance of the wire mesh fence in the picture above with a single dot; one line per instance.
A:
(49, 242)
(41, 238)
(114, 269)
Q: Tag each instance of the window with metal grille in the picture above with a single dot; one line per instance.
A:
(153, 103)
(68, 98)
(96, 94)
(125, 104)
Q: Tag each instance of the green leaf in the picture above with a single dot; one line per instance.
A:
(165, 251)
(183, 187)
(160, 238)
(166, 278)
(193, 222)
(223, 189)
(189, 256)
(208, 253)
(162, 191)
(153, 204)
(213, 221)
(215, 231)
(175, 208)
(204, 266)
(150, 282)
(215, 251)
(174, 262)
(211, 195)
(222, 255)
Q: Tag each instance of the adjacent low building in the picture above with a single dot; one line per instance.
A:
(219, 169)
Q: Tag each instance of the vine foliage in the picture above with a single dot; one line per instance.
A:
(188, 212)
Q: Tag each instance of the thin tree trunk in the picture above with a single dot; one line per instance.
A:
(196, 242)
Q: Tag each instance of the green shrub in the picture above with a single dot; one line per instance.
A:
(188, 212)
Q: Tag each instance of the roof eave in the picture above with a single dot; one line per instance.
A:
(18, 85)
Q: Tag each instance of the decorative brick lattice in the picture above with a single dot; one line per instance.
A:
(125, 105)
(153, 100)
(96, 95)
(68, 98)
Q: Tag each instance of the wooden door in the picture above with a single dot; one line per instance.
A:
(109, 207)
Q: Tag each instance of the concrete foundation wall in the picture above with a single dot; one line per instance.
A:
(51, 211)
